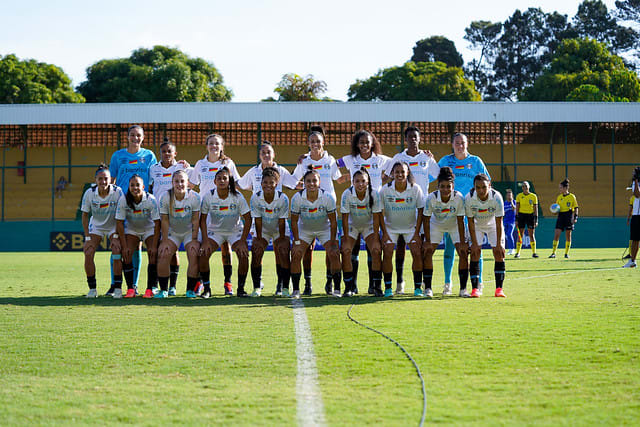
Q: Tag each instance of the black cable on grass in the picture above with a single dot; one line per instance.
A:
(406, 353)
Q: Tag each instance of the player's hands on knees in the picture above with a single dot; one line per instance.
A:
(115, 246)
(498, 251)
(241, 248)
(475, 248)
(463, 248)
(152, 251)
(332, 247)
(206, 249)
(194, 248)
(386, 240)
(259, 244)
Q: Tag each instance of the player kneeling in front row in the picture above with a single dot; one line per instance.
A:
(226, 207)
(179, 222)
(444, 213)
(270, 210)
(361, 214)
(485, 210)
(138, 219)
(313, 215)
(101, 202)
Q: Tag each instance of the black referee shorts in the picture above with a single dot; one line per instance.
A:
(526, 220)
(564, 221)
(635, 228)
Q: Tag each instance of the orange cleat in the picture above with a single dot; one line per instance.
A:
(500, 293)
(475, 293)
(148, 294)
(131, 293)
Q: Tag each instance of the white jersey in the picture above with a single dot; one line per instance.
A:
(313, 216)
(161, 177)
(424, 168)
(375, 165)
(224, 215)
(327, 168)
(204, 172)
(401, 208)
(141, 217)
(484, 212)
(181, 212)
(444, 214)
(360, 213)
(252, 180)
(271, 213)
(102, 210)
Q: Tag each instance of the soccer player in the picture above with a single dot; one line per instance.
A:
(313, 216)
(424, 169)
(160, 180)
(252, 180)
(361, 214)
(270, 211)
(444, 213)
(465, 167)
(221, 214)
(127, 162)
(509, 220)
(327, 168)
(402, 203)
(527, 216)
(138, 220)
(203, 175)
(633, 221)
(366, 152)
(485, 210)
(180, 222)
(567, 217)
(101, 201)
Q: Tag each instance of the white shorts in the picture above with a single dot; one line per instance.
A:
(437, 233)
(102, 232)
(220, 237)
(365, 231)
(323, 236)
(144, 235)
(395, 236)
(178, 239)
(490, 232)
(273, 236)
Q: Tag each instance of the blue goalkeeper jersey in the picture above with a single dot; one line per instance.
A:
(124, 165)
(464, 170)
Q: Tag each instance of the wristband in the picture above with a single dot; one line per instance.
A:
(115, 236)
(87, 238)
(296, 242)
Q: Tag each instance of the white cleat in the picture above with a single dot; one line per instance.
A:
(400, 288)
(295, 294)
(630, 264)
(428, 293)
(117, 293)
(446, 291)
(336, 294)
(464, 294)
(480, 288)
(93, 293)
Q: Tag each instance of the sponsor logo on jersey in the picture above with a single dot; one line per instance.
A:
(133, 162)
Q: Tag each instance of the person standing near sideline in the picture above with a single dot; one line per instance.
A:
(633, 220)
(126, 162)
(527, 216)
(465, 167)
(567, 217)
(509, 220)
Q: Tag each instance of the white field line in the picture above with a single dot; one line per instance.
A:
(310, 407)
(556, 274)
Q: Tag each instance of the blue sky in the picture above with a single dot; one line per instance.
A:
(252, 43)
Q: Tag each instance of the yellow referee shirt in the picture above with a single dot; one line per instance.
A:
(567, 203)
(526, 203)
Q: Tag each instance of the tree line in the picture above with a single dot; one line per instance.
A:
(531, 56)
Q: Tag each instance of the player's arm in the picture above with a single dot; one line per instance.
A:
(575, 214)
(416, 234)
(499, 231)
(294, 227)
(85, 223)
(461, 233)
(628, 216)
(636, 189)
(472, 232)
(426, 226)
(333, 225)
(535, 215)
(345, 224)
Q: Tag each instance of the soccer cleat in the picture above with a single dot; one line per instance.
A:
(110, 292)
(354, 289)
(516, 256)
(378, 293)
(475, 293)
(117, 293)
(199, 288)
(307, 291)
(191, 294)
(336, 294)
(155, 290)
(480, 288)
(328, 288)
(535, 256)
(347, 294)
(295, 294)
(552, 256)
(418, 292)
(285, 292)
(499, 293)
(463, 293)
(131, 293)
(261, 285)
(228, 289)
(627, 256)
(256, 292)
(388, 292)
(172, 291)
(278, 290)
(446, 291)
(629, 264)
(428, 293)
(242, 293)
(400, 288)
(93, 293)
(205, 294)
(148, 294)
(371, 290)
(566, 256)
(162, 294)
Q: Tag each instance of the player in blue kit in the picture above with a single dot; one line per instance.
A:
(465, 167)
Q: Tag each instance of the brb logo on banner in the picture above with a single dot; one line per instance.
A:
(70, 241)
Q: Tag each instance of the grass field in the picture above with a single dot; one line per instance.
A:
(562, 349)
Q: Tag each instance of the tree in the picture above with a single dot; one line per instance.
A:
(593, 20)
(293, 87)
(483, 36)
(585, 70)
(415, 81)
(437, 48)
(628, 10)
(160, 74)
(32, 82)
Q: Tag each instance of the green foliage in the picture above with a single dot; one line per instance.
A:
(421, 81)
(585, 70)
(593, 20)
(160, 74)
(293, 87)
(483, 36)
(437, 48)
(32, 82)
(628, 10)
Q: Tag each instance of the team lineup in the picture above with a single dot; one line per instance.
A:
(388, 205)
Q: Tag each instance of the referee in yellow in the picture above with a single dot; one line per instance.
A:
(527, 216)
(567, 217)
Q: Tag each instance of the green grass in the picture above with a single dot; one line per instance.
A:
(563, 349)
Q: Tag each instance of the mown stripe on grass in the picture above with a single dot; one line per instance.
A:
(310, 407)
